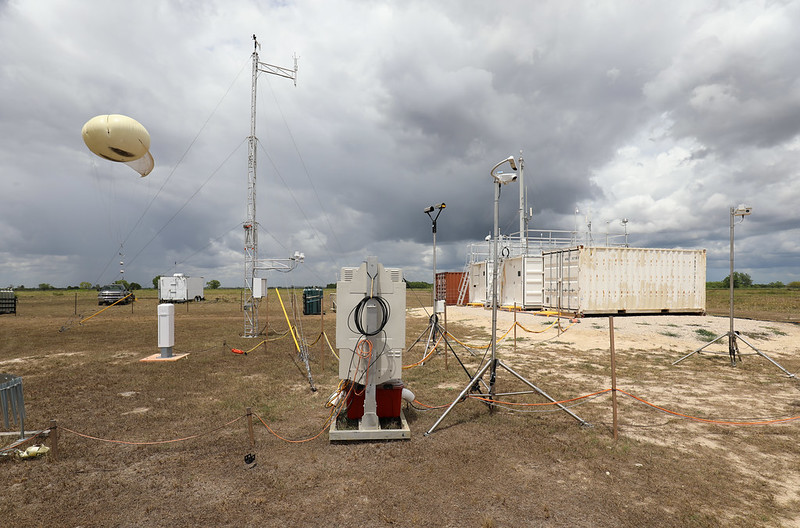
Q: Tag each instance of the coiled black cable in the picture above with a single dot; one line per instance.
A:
(358, 314)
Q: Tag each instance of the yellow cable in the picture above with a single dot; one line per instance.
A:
(329, 345)
(104, 309)
(296, 344)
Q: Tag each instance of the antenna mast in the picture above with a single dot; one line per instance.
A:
(251, 225)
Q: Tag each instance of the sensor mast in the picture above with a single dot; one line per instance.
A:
(250, 225)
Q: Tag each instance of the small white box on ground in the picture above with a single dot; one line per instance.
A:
(166, 326)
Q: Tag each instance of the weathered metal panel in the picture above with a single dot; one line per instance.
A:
(604, 280)
(561, 279)
(447, 283)
(521, 280)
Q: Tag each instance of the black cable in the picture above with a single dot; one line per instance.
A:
(358, 314)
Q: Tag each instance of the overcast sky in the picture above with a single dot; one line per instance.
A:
(663, 113)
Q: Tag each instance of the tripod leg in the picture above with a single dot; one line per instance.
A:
(760, 353)
(699, 349)
(540, 391)
(450, 347)
(472, 383)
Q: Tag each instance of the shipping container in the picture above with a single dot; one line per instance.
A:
(447, 286)
(522, 282)
(617, 280)
(180, 288)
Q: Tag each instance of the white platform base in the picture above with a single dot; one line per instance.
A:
(349, 435)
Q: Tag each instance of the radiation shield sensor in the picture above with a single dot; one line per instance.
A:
(505, 178)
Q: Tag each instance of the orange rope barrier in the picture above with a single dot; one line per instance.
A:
(489, 400)
(276, 435)
(707, 420)
(421, 361)
(149, 443)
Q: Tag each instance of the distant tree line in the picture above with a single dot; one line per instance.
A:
(743, 280)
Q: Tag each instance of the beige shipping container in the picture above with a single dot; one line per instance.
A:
(618, 280)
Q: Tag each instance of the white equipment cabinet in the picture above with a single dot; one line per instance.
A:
(370, 337)
(180, 288)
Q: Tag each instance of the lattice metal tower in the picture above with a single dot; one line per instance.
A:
(251, 225)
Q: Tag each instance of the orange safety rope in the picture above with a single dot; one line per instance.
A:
(150, 443)
(489, 400)
(276, 435)
(706, 420)
(421, 361)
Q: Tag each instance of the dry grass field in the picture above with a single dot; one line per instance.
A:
(516, 466)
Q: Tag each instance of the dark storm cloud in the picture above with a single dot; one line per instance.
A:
(664, 114)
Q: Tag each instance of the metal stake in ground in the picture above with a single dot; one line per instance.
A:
(499, 179)
(733, 335)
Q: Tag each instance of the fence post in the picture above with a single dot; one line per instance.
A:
(250, 426)
(515, 327)
(322, 329)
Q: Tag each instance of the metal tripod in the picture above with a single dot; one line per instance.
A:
(491, 366)
(733, 335)
(733, 350)
(500, 179)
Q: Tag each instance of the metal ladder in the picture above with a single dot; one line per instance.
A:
(463, 285)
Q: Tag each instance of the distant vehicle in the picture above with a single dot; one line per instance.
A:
(111, 293)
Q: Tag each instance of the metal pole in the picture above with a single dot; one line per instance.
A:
(493, 361)
(731, 335)
(523, 231)
(434, 269)
(613, 375)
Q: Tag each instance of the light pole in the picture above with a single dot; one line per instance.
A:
(428, 210)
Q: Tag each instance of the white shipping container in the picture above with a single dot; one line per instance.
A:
(180, 288)
(522, 282)
(611, 280)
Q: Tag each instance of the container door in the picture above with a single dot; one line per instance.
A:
(533, 288)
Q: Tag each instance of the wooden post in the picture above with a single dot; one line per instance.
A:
(76, 303)
(322, 329)
(515, 327)
(53, 440)
(266, 317)
(613, 375)
(250, 426)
